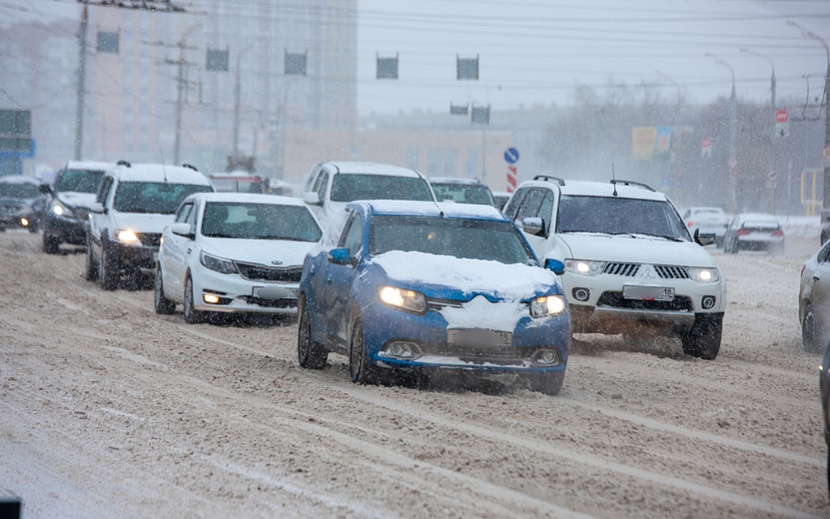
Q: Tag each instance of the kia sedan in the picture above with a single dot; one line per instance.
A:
(754, 231)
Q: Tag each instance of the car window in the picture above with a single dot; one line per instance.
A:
(614, 215)
(184, 212)
(104, 191)
(515, 203)
(352, 234)
(824, 254)
(458, 237)
(153, 197)
(16, 190)
(321, 184)
(537, 203)
(349, 187)
(79, 180)
(463, 193)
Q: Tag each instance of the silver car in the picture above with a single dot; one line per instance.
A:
(814, 300)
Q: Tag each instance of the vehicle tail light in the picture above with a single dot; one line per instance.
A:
(691, 223)
(743, 232)
(778, 232)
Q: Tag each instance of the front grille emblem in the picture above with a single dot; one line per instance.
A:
(276, 262)
(648, 272)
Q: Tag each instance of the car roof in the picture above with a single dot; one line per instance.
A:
(160, 173)
(252, 198)
(19, 179)
(237, 175)
(89, 164)
(623, 188)
(372, 168)
(437, 210)
(455, 180)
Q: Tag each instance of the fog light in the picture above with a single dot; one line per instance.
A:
(545, 357)
(708, 302)
(210, 299)
(581, 294)
(402, 350)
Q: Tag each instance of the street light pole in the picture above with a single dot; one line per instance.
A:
(733, 132)
(79, 117)
(772, 78)
(771, 184)
(825, 209)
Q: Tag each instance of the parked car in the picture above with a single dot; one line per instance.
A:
(70, 198)
(710, 222)
(631, 266)
(754, 231)
(500, 198)
(234, 253)
(824, 388)
(329, 186)
(814, 300)
(133, 205)
(430, 286)
(21, 202)
(462, 190)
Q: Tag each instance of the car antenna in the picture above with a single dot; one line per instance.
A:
(163, 168)
(434, 201)
(614, 179)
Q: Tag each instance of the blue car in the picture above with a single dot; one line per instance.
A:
(420, 286)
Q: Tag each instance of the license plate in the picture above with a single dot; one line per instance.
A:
(479, 337)
(276, 292)
(648, 292)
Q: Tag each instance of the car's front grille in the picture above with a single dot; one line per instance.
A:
(621, 269)
(271, 303)
(631, 269)
(262, 273)
(481, 354)
(671, 272)
(616, 300)
(149, 239)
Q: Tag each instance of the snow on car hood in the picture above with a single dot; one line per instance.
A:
(141, 222)
(636, 249)
(76, 199)
(286, 253)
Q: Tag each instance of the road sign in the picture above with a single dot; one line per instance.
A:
(781, 116)
(511, 155)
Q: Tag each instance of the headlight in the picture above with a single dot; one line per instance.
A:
(584, 267)
(548, 305)
(704, 275)
(221, 265)
(61, 209)
(127, 237)
(404, 299)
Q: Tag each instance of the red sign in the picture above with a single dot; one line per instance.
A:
(781, 116)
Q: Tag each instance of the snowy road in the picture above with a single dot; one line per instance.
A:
(109, 410)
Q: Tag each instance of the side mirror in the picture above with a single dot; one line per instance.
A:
(702, 241)
(312, 198)
(555, 265)
(340, 256)
(45, 189)
(533, 226)
(97, 207)
(182, 229)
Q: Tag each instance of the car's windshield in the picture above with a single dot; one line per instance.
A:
(349, 187)
(463, 193)
(153, 197)
(14, 190)
(245, 220)
(462, 238)
(79, 180)
(613, 215)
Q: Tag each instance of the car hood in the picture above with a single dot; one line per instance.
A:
(639, 249)
(144, 223)
(75, 199)
(271, 253)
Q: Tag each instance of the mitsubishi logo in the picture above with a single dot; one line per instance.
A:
(648, 272)
(276, 262)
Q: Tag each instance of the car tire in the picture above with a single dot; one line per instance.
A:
(191, 315)
(309, 352)
(90, 268)
(107, 273)
(546, 383)
(704, 338)
(809, 331)
(162, 305)
(50, 244)
(361, 370)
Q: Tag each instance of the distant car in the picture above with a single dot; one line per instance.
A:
(426, 286)
(234, 253)
(814, 300)
(70, 198)
(754, 231)
(21, 202)
(133, 205)
(710, 222)
(824, 388)
(329, 186)
(240, 182)
(461, 190)
(500, 198)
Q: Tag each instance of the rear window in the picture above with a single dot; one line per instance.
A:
(79, 180)
(14, 190)
(463, 193)
(350, 187)
(153, 197)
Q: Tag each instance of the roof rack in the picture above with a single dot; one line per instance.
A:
(558, 180)
(189, 166)
(633, 183)
(123, 163)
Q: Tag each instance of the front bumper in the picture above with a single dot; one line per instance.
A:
(70, 230)
(130, 259)
(236, 294)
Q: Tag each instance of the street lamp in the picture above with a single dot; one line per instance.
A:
(825, 209)
(733, 129)
(673, 82)
(772, 78)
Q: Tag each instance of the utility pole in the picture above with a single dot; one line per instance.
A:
(79, 113)
(181, 81)
(733, 134)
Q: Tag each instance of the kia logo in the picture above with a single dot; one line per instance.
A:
(276, 262)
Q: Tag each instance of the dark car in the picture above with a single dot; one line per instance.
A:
(70, 198)
(814, 300)
(21, 202)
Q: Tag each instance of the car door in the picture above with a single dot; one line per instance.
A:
(821, 293)
(97, 220)
(339, 280)
(536, 202)
(177, 252)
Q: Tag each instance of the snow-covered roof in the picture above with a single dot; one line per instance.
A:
(455, 180)
(248, 198)
(452, 210)
(20, 179)
(588, 188)
(90, 164)
(160, 173)
(372, 168)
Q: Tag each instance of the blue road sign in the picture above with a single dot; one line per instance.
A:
(511, 155)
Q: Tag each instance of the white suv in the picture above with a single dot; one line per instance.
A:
(631, 266)
(329, 186)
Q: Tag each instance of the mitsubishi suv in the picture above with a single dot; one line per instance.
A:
(631, 266)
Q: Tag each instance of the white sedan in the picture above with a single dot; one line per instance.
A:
(234, 252)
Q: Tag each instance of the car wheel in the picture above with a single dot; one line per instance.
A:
(703, 339)
(546, 383)
(162, 305)
(90, 268)
(191, 315)
(309, 352)
(107, 273)
(50, 244)
(361, 370)
(809, 331)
